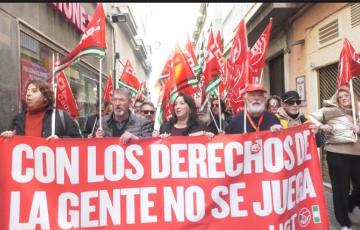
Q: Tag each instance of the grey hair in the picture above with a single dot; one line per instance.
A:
(123, 91)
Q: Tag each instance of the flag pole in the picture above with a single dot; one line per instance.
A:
(212, 116)
(158, 110)
(219, 108)
(100, 93)
(246, 84)
(353, 106)
(261, 76)
(54, 90)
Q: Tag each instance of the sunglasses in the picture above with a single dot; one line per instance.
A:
(298, 102)
(148, 112)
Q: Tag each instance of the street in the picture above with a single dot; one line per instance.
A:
(333, 223)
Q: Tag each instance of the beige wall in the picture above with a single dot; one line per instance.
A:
(306, 58)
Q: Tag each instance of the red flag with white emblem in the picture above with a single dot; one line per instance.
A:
(93, 41)
(258, 54)
(237, 68)
(129, 80)
(108, 91)
(65, 99)
(349, 65)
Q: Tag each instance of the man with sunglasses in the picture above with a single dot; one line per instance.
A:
(147, 110)
(289, 114)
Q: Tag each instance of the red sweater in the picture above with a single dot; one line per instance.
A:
(34, 122)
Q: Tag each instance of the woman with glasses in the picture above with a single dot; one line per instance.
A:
(342, 148)
(184, 121)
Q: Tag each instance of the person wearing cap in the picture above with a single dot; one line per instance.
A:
(257, 119)
(289, 113)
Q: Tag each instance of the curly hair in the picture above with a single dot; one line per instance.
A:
(193, 117)
(45, 89)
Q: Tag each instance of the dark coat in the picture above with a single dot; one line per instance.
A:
(192, 127)
(71, 128)
(236, 124)
(89, 124)
(136, 125)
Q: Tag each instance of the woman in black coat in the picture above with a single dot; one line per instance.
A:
(37, 117)
(184, 121)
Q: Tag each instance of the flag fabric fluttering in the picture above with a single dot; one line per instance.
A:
(108, 91)
(219, 41)
(142, 93)
(258, 55)
(212, 70)
(181, 75)
(237, 68)
(190, 57)
(92, 43)
(129, 80)
(163, 84)
(349, 64)
(65, 99)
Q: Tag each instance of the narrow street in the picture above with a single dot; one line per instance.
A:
(333, 223)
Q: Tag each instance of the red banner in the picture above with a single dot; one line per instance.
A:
(176, 183)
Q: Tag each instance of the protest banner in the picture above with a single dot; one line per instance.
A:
(176, 183)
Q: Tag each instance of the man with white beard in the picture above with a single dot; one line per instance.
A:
(257, 119)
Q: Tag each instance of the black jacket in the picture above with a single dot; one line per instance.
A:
(236, 124)
(192, 127)
(136, 124)
(71, 129)
(89, 124)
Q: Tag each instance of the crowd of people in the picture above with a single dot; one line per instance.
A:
(191, 117)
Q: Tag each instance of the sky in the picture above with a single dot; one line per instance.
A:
(169, 24)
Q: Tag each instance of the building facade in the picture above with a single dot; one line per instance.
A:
(304, 48)
(31, 32)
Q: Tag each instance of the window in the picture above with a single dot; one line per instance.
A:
(36, 63)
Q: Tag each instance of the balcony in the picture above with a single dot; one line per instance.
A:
(279, 12)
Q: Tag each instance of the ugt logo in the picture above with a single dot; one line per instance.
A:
(304, 217)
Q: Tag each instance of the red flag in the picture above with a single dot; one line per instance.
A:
(129, 80)
(65, 99)
(93, 41)
(258, 54)
(212, 69)
(349, 65)
(165, 73)
(142, 92)
(189, 54)
(108, 91)
(182, 76)
(219, 42)
(238, 68)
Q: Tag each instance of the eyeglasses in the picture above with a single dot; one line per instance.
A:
(298, 102)
(215, 105)
(148, 112)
